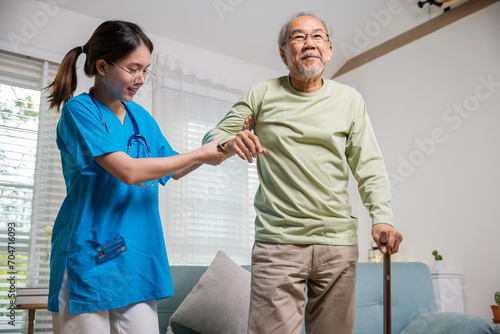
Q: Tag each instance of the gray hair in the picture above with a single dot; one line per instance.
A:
(303, 12)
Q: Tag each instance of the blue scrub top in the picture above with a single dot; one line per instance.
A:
(99, 209)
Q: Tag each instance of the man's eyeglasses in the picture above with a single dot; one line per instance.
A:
(137, 75)
(317, 37)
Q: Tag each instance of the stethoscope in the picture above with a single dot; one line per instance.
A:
(136, 136)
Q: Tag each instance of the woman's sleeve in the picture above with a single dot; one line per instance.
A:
(83, 135)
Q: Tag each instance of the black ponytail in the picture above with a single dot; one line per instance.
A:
(111, 41)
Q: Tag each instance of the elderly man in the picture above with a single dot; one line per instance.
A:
(308, 131)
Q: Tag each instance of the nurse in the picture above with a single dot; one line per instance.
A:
(109, 263)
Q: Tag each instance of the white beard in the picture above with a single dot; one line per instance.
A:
(311, 72)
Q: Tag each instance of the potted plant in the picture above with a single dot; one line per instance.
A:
(439, 263)
(496, 308)
(48, 230)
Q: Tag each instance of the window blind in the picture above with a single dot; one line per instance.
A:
(27, 144)
(49, 187)
(211, 209)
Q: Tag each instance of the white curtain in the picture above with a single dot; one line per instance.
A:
(32, 186)
(211, 209)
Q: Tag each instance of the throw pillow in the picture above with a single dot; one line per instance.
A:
(219, 302)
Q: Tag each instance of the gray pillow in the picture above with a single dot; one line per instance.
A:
(450, 323)
(219, 302)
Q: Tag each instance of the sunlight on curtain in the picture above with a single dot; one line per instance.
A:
(212, 208)
(32, 187)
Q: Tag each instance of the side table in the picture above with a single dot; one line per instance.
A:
(448, 290)
(31, 313)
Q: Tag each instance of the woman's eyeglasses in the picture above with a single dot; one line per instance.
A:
(137, 75)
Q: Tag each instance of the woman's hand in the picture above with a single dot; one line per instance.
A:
(211, 154)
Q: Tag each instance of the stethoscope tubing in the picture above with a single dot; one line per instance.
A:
(136, 134)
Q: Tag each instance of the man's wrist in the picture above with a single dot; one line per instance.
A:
(222, 146)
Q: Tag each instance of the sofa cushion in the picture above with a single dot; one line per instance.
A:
(219, 302)
(184, 279)
(412, 295)
(450, 323)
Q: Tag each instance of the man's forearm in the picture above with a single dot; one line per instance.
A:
(214, 133)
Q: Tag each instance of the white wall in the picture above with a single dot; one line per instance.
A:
(437, 124)
(52, 28)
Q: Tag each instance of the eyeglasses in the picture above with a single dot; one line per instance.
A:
(317, 37)
(137, 75)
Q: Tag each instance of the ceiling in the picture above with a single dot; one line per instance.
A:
(247, 29)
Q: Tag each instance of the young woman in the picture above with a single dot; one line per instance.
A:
(109, 263)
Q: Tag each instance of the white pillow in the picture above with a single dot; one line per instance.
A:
(219, 302)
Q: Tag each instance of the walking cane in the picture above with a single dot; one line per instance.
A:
(387, 286)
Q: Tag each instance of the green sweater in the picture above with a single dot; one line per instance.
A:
(311, 140)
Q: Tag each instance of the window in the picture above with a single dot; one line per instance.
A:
(29, 172)
(212, 208)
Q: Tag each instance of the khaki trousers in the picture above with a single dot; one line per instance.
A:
(280, 275)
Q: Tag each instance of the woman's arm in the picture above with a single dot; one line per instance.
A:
(185, 171)
(248, 125)
(133, 171)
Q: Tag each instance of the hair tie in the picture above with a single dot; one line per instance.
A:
(83, 51)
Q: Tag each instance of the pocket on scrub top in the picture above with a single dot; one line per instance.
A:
(106, 257)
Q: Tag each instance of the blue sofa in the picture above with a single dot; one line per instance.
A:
(413, 302)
